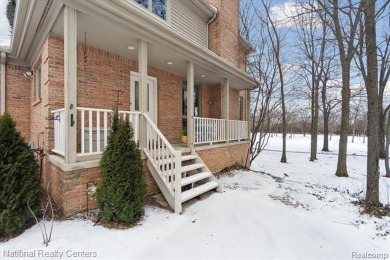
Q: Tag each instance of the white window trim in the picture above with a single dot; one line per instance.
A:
(150, 10)
(38, 82)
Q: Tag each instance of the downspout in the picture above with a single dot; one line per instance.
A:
(209, 22)
(2, 82)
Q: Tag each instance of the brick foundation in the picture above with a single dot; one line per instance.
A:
(217, 159)
(69, 189)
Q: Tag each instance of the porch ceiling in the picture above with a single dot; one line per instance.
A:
(113, 38)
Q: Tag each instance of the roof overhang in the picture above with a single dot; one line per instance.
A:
(36, 19)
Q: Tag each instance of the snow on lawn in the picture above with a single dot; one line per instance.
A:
(308, 214)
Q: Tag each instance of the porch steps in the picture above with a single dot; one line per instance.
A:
(192, 193)
(188, 157)
(179, 176)
(184, 158)
(195, 178)
(192, 167)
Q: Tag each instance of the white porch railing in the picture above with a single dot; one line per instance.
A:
(209, 130)
(166, 163)
(59, 131)
(238, 130)
(94, 127)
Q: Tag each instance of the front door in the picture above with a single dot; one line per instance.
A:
(151, 91)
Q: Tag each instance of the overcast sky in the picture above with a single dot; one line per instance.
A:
(5, 38)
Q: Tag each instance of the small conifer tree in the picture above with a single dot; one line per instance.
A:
(122, 188)
(19, 179)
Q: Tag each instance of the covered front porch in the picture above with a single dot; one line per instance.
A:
(179, 85)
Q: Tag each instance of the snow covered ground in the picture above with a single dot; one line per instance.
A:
(306, 215)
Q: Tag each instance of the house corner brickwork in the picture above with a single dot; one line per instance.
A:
(224, 36)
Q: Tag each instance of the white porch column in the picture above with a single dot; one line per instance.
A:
(248, 111)
(143, 94)
(2, 82)
(70, 80)
(190, 104)
(226, 105)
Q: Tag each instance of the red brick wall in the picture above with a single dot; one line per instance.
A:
(169, 103)
(224, 33)
(212, 105)
(234, 104)
(219, 158)
(17, 98)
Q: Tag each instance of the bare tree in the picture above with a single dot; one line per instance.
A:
(264, 99)
(383, 52)
(330, 101)
(262, 65)
(275, 38)
(373, 115)
(343, 18)
(312, 38)
(384, 74)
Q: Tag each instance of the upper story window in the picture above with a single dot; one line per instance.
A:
(158, 7)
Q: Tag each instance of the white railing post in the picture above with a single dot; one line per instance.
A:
(226, 112)
(178, 207)
(190, 104)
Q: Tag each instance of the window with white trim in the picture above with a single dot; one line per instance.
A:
(38, 83)
(241, 108)
(158, 7)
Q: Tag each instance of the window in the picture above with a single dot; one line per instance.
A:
(184, 103)
(241, 108)
(158, 7)
(38, 83)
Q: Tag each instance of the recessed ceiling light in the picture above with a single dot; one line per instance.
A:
(169, 62)
(131, 47)
(203, 76)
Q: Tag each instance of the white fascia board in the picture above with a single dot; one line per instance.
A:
(157, 31)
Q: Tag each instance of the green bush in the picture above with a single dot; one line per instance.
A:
(19, 179)
(122, 188)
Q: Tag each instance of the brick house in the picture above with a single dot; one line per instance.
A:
(168, 65)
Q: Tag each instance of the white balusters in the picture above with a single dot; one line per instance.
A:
(94, 129)
(209, 130)
(59, 134)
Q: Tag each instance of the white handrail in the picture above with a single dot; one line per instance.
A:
(166, 161)
(158, 132)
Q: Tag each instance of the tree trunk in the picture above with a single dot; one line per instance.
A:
(373, 117)
(325, 147)
(314, 121)
(284, 129)
(387, 147)
(341, 170)
(381, 134)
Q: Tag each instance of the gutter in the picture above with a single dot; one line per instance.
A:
(209, 22)
(2, 82)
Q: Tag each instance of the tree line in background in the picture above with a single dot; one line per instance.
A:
(321, 66)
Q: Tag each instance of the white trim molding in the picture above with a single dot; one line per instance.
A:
(3, 57)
